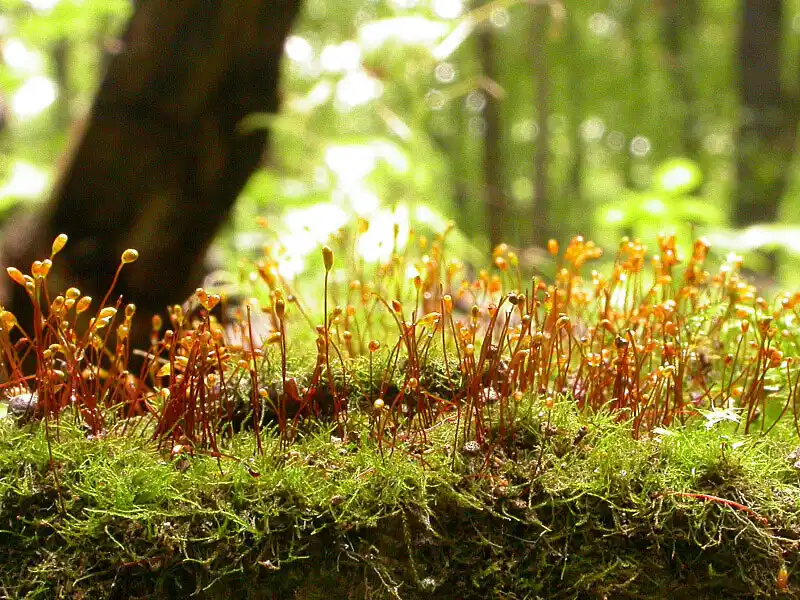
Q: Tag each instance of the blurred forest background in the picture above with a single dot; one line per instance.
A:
(519, 121)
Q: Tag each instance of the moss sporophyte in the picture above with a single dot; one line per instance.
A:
(487, 392)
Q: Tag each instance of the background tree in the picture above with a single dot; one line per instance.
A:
(162, 157)
(494, 195)
(387, 117)
(679, 21)
(769, 116)
(540, 221)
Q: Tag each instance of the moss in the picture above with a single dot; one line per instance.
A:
(558, 512)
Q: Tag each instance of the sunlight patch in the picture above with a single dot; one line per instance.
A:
(407, 30)
(34, 96)
(26, 181)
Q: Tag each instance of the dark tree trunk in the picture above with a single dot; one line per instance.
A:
(161, 160)
(636, 112)
(541, 229)
(580, 213)
(679, 21)
(769, 116)
(493, 194)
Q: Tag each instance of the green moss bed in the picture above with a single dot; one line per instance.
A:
(571, 507)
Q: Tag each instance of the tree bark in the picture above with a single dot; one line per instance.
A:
(161, 160)
(541, 230)
(580, 213)
(679, 21)
(769, 116)
(493, 194)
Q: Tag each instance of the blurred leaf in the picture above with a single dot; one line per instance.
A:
(765, 237)
(699, 211)
(8, 203)
(410, 30)
(280, 122)
(678, 176)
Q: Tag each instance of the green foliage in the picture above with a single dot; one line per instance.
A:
(406, 78)
(671, 204)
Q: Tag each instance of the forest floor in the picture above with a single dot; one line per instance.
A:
(571, 507)
(603, 438)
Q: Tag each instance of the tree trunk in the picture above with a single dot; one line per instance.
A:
(493, 194)
(161, 160)
(541, 230)
(636, 110)
(769, 115)
(580, 213)
(679, 21)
